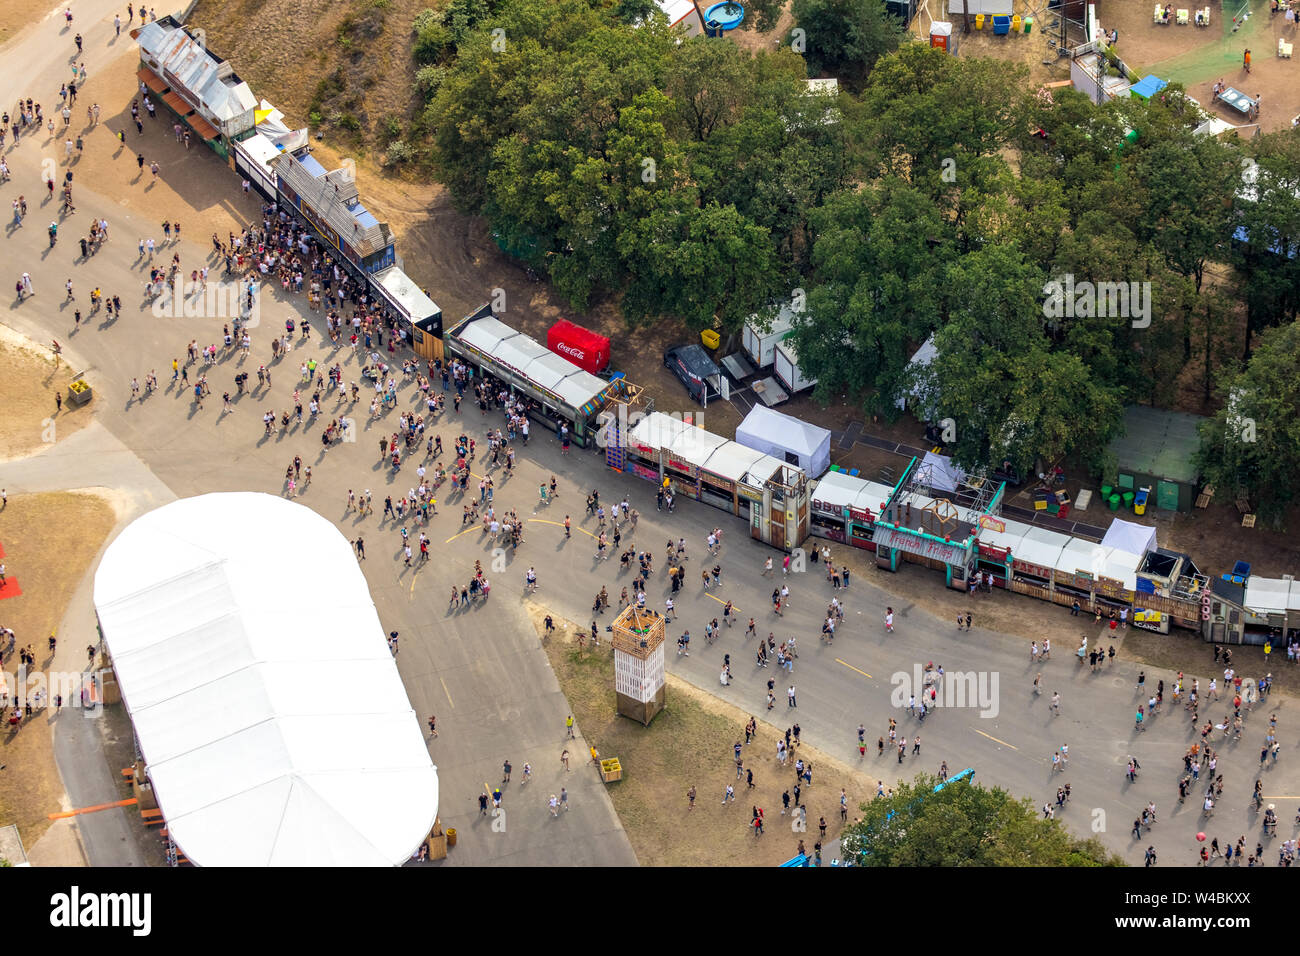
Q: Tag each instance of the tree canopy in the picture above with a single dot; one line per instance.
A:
(696, 181)
(964, 824)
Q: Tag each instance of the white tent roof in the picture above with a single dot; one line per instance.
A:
(694, 445)
(945, 474)
(657, 431)
(1079, 554)
(763, 427)
(1271, 595)
(1130, 536)
(838, 490)
(731, 461)
(241, 629)
(1009, 539)
(676, 10)
(1040, 546)
(1122, 566)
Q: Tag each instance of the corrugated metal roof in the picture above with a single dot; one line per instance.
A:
(324, 194)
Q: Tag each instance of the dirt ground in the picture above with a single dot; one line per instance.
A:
(194, 187)
(31, 380)
(689, 744)
(48, 541)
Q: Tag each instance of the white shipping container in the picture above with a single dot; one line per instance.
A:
(786, 367)
(759, 345)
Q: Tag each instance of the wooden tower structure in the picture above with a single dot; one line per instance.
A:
(639, 663)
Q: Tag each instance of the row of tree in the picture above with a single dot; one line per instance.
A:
(934, 196)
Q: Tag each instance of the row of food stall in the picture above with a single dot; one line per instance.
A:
(564, 392)
(746, 482)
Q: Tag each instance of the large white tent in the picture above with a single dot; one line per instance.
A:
(267, 705)
(786, 439)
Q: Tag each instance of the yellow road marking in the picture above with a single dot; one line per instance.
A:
(560, 524)
(994, 739)
(720, 601)
(459, 533)
(852, 668)
(447, 692)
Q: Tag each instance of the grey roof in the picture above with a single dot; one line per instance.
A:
(1158, 443)
(330, 197)
(209, 80)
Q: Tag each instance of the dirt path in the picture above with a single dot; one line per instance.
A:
(48, 541)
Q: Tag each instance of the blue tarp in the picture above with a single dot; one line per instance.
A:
(1148, 86)
(313, 168)
(1241, 235)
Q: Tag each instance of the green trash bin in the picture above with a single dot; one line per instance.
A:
(1128, 499)
(1113, 500)
(1106, 490)
(1029, 22)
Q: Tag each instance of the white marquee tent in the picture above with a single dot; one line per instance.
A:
(786, 439)
(266, 702)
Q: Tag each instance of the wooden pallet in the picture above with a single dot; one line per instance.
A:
(1248, 521)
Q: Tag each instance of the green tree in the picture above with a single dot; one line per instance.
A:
(1251, 444)
(1268, 262)
(964, 824)
(879, 259)
(845, 38)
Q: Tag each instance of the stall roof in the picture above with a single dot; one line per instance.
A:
(1271, 595)
(732, 461)
(839, 490)
(1040, 546)
(1122, 566)
(657, 431)
(695, 445)
(403, 288)
(1009, 539)
(1079, 554)
(532, 360)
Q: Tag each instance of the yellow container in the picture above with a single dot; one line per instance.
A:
(1015, 23)
(979, 21)
(710, 338)
(451, 836)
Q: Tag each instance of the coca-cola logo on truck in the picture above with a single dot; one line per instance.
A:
(577, 353)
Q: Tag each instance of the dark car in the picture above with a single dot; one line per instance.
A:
(693, 367)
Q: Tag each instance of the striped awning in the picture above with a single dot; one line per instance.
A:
(174, 100)
(151, 79)
(201, 126)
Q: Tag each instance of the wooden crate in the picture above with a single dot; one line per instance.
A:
(611, 770)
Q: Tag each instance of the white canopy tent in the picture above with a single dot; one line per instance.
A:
(1130, 536)
(267, 705)
(945, 474)
(919, 362)
(1041, 547)
(787, 439)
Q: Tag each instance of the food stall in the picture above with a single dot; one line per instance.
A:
(844, 509)
(564, 392)
(723, 474)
